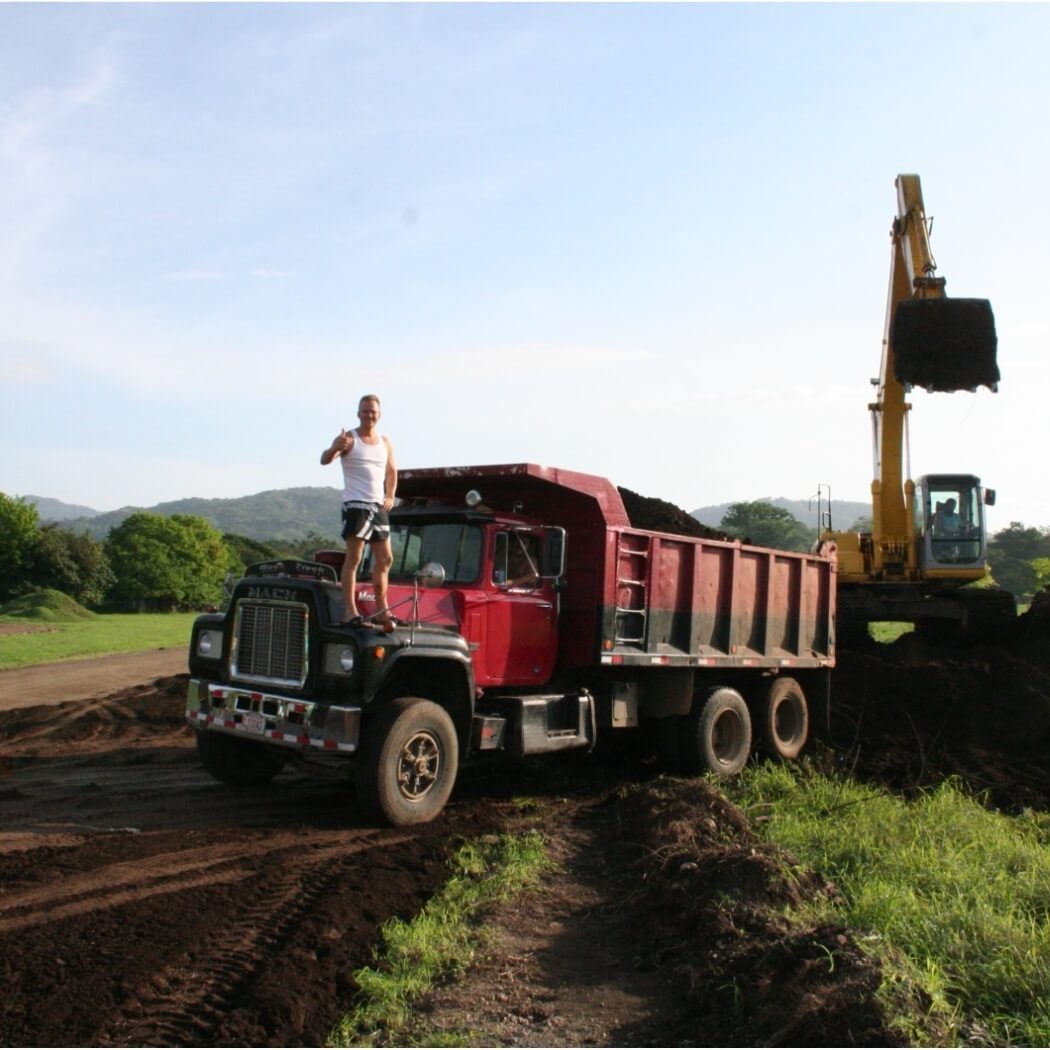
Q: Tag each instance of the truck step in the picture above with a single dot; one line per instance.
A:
(535, 724)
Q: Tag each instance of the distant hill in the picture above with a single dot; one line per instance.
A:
(843, 512)
(278, 514)
(55, 510)
(292, 514)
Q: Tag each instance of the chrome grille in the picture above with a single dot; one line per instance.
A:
(270, 642)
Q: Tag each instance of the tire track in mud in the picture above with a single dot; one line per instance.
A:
(185, 1002)
(129, 881)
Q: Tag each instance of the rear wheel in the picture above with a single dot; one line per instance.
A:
(237, 762)
(408, 766)
(717, 737)
(784, 719)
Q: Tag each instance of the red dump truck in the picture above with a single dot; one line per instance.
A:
(533, 617)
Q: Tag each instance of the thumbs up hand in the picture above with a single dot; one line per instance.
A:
(342, 442)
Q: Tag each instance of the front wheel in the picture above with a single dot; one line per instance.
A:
(717, 737)
(408, 766)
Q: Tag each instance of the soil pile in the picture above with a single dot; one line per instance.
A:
(662, 927)
(910, 714)
(657, 515)
(144, 715)
(747, 976)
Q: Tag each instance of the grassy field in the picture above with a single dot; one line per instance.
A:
(954, 897)
(67, 631)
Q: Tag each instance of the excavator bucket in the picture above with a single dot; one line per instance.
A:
(945, 344)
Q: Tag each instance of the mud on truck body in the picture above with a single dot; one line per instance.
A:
(532, 618)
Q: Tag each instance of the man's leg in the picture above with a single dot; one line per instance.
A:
(355, 548)
(382, 559)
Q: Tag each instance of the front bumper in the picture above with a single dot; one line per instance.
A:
(281, 721)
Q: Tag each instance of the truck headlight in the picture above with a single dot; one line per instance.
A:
(340, 658)
(208, 643)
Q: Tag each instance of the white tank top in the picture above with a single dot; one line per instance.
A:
(364, 471)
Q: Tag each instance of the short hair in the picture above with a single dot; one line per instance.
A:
(369, 397)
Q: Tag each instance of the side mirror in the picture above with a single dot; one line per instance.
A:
(989, 497)
(431, 575)
(554, 552)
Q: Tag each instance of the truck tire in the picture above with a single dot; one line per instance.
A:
(408, 765)
(784, 717)
(239, 763)
(717, 737)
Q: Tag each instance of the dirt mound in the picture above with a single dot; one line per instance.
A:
(658, 515)
(910, 714)
(144, 715)
(713, 893)
(661, 927)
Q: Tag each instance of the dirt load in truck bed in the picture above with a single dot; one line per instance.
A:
(144, 904)
(657, 515)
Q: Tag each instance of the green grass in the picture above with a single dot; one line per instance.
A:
(72, 631)
(441, 940)
(957, 897)
(889, 631)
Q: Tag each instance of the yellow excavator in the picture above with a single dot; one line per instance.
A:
(928, 537)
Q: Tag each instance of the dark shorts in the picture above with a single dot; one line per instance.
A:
(365, 521)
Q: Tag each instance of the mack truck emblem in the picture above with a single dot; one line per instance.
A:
(279, 594)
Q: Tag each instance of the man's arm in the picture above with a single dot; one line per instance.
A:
(390, 481)
(341, 444)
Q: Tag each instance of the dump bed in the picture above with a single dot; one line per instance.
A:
(638, 597)
(678, 601)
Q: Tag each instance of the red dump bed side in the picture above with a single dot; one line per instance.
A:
(636, 597)
(678, 601)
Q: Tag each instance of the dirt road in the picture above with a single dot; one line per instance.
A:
(60, 683)
(141, 903)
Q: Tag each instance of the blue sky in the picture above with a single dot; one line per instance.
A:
(643, 241)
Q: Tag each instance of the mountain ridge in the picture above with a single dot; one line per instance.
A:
(295, 513)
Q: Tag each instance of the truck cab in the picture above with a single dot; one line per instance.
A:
(502, 577)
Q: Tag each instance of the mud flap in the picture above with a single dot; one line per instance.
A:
(945, 344)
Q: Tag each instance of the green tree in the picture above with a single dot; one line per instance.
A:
(167, 562)
(19, 530)
(766, 525)
(1041, 568)
(246, 550)
(1018, 541)
(1012, 553)
(71, 562)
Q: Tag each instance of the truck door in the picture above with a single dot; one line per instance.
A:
(522, 629)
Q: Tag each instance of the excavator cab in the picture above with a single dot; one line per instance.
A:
(949, 524)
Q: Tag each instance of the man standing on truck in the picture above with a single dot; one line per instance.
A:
(369, 486)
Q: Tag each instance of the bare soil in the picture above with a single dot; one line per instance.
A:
(143, 904)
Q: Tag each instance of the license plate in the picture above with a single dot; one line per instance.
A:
(254, 723)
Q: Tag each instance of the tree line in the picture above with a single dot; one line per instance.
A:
(148, 562)
(164, 562)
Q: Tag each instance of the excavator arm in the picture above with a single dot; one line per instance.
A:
(929, 340)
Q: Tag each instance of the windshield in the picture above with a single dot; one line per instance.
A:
(954, 520)
(456, 546)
